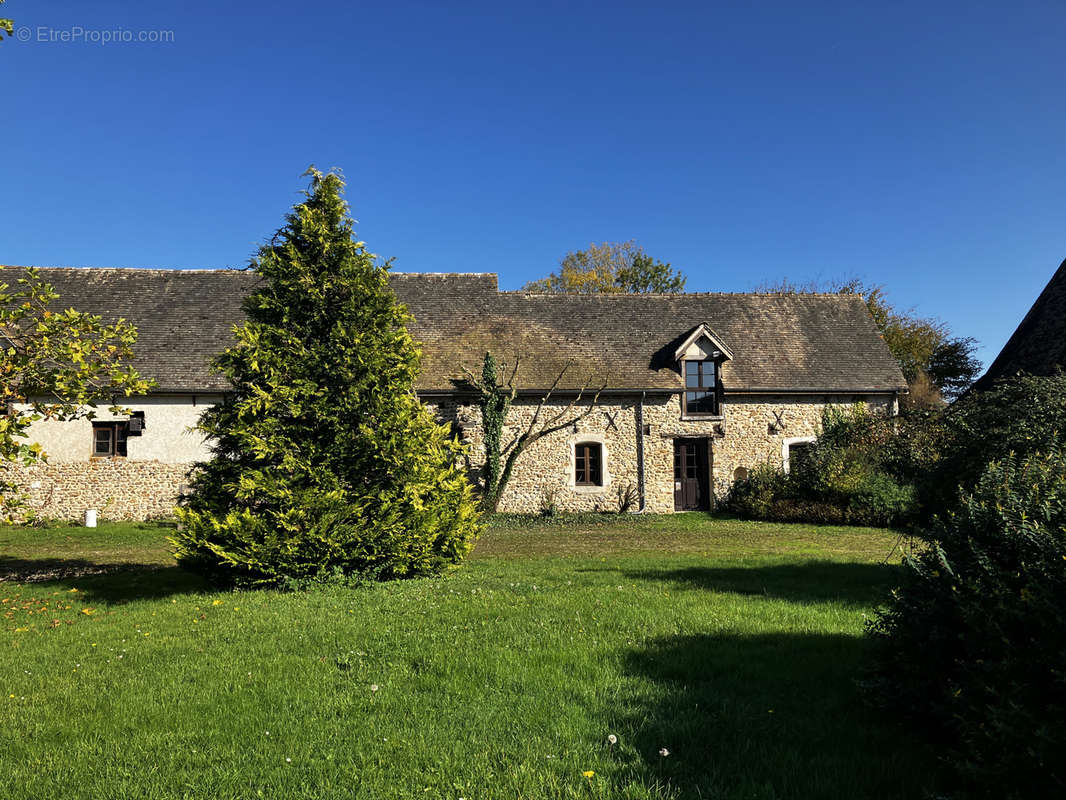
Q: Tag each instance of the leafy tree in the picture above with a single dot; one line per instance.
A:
(6, 25)
(324, 461)
(928, 355)
(953, 367)
(1022, 415)
(57, 365)
(610, 268)
(495, 400)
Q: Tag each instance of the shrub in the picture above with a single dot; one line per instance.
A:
(791, 510)
(1022, 415)
(627, 498)
(842, 479)
(754, 496)
(973, 644)
(880, 500)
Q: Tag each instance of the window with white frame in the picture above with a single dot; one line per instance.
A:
(794, 451)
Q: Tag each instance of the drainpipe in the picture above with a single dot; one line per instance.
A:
(640, 453)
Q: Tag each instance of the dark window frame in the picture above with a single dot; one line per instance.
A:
(588, 464)
(710, 390)
(118, 435)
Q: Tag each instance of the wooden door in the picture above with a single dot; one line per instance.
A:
(691, 475)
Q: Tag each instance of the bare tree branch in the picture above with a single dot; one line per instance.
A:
(539, 425)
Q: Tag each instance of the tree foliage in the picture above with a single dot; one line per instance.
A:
(324, 461)
(496, 399)
(972, 646)
(610, 268)
(56, 365)
(1022, 415)
(6, 25)
(927, 352)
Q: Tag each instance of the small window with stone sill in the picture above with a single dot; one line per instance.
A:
(109, 439)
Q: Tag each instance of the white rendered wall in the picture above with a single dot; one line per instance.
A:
(167, 437)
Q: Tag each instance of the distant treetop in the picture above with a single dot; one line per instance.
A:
(610, 268)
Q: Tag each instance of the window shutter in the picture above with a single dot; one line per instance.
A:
(136, 423)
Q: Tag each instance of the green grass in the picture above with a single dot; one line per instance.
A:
(732, 644)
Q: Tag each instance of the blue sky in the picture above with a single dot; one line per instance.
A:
(920, 146)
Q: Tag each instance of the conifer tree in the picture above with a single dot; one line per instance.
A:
(324, 461)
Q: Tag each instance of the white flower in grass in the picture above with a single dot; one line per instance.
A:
(612, 739)
(664, 752)
(374, 687)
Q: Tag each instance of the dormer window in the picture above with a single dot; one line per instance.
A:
(701, 388)
(700, 357)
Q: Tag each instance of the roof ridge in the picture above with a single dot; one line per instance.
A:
(676, 294)
(127, 269)
(451, 274)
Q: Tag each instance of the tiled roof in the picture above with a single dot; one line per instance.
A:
(1038, 346)
(818, 343)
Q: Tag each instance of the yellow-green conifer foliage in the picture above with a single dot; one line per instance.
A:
(324, 461)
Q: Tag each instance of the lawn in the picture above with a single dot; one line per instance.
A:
(733, 645)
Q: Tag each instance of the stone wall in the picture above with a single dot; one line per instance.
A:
(118, 488)
(749, 432)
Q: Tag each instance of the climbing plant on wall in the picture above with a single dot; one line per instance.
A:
(551, 414)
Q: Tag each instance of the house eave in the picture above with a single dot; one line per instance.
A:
(813, 390)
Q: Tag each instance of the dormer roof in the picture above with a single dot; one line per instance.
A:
(703, 331)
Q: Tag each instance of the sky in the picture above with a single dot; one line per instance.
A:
(916, 145)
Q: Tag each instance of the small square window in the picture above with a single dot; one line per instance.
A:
(109, 439)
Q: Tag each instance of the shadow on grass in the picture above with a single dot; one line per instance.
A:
(103, 582)
(765, 716)
(805, 582)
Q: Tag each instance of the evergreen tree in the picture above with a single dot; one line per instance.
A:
(324, 461)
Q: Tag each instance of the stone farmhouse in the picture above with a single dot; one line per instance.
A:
(697, 388)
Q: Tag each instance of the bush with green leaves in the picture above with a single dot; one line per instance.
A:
(324, 461)
(1022, 415)
(847, 476)
(973, 644)
(753, 497)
